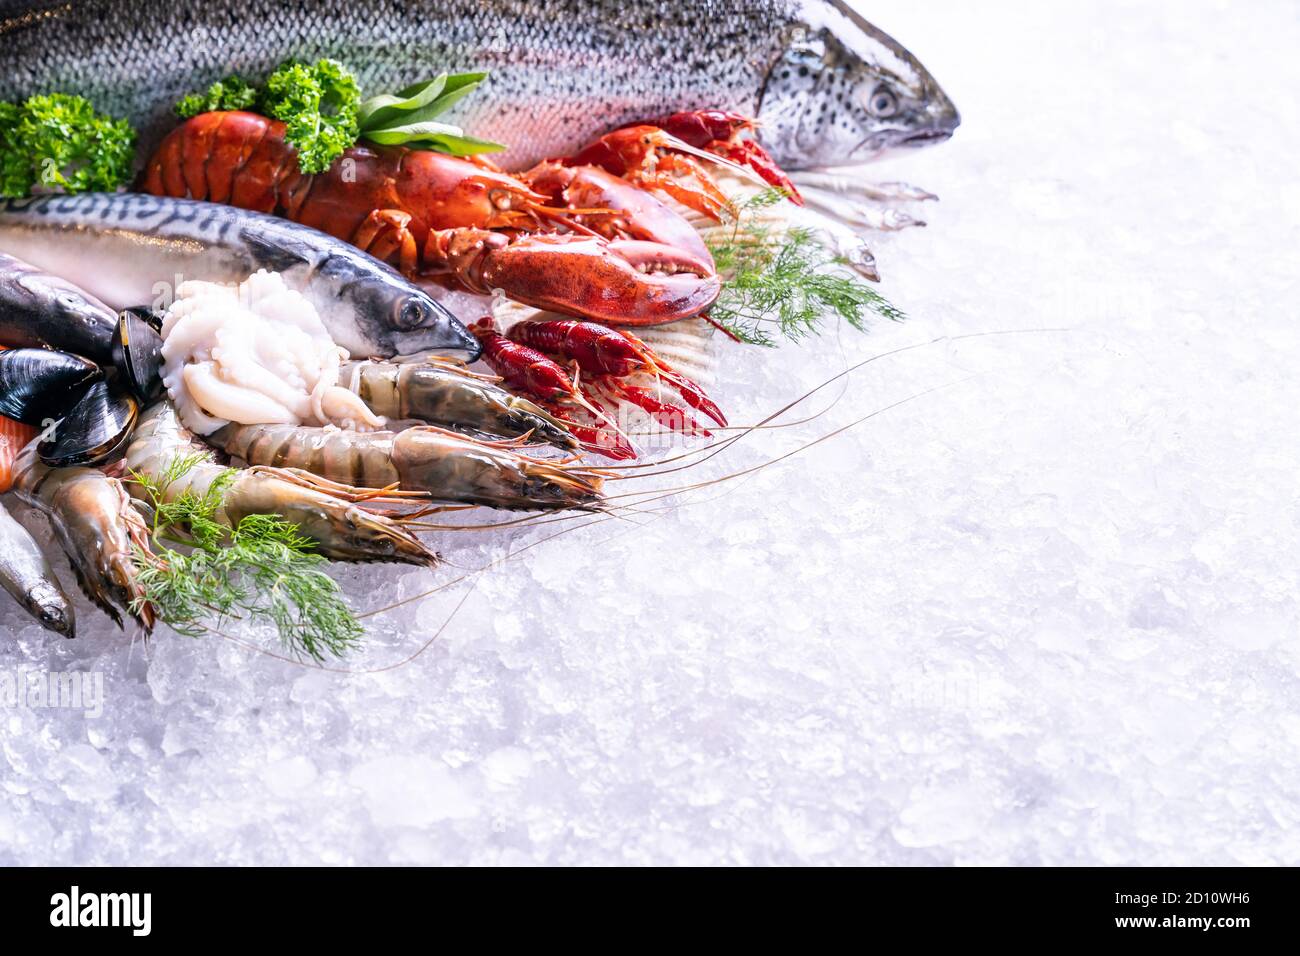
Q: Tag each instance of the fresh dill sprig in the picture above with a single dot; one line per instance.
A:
(262, 569)
(786, 282)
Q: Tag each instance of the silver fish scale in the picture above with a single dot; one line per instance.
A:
(562, 73)
(129, 249)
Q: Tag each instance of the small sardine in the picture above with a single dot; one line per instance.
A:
(26, 574)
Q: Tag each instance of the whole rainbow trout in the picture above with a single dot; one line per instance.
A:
(829, 88)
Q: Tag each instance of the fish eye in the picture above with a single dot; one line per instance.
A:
(411, 315)
(882, 103)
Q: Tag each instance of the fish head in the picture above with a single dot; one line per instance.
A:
(398, 312)
(47, 603)
(843, 92)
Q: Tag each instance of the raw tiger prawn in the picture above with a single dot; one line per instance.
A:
(432, 461)
(339, 527)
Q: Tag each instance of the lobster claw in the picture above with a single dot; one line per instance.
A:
(618, 282)
(611, 206)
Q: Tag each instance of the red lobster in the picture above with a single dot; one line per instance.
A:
(430, 214)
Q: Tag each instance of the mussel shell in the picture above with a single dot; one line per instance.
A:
(38, 386)
(95, 430)
(151, 317)
(137, 354)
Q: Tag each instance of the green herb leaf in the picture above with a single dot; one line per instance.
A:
(378, 110)
(318, 105)
(437, 136)
(263, 569)
(58, 142)
(418, 103)
(785, 284)
(232, 93)
(407, 118)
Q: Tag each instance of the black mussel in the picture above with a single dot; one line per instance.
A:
(38, 386)
(137, 354)
(152, 317)
(95, 430)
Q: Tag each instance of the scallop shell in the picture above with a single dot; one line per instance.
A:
(690, 346)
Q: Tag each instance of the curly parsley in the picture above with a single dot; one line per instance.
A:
(58, 142)
(318, 105)
(232, 93)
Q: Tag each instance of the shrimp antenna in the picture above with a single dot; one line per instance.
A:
(717, 447)
(639, 507)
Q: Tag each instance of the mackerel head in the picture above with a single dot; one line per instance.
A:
(842, 91)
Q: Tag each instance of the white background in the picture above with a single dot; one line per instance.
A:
(1046, 614)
